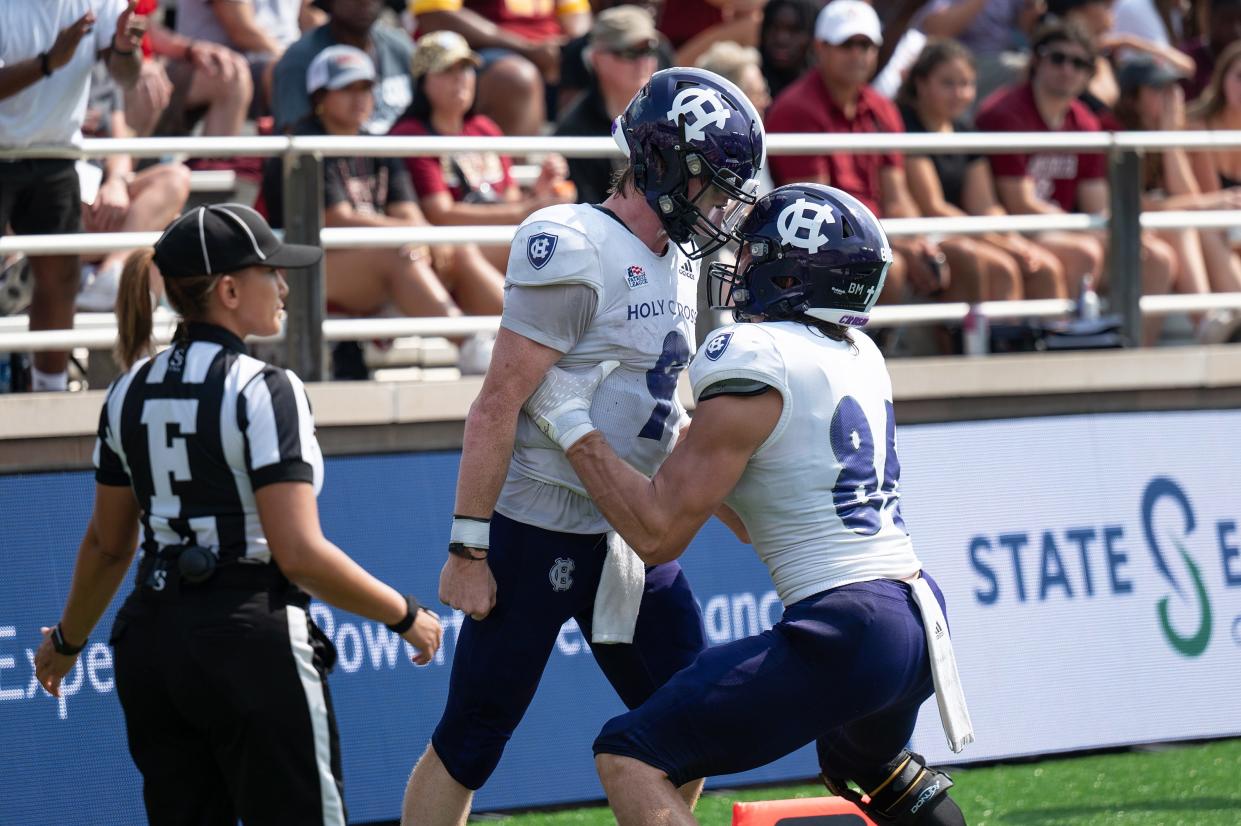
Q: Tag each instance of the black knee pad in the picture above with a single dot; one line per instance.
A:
(907, 793)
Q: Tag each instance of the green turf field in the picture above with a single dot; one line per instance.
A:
(1197, 785)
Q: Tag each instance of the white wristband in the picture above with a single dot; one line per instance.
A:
(472, 533)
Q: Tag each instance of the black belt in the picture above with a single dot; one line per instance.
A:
(166, 573)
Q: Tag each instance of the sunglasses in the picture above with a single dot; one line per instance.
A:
(635, 52)
(863, 43)
(1055, 58)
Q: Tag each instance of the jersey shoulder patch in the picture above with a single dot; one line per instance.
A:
(553, 246)
(739, 351)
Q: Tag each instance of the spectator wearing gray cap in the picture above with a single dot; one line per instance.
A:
(576, 74)
(372, 192)
(353, 23)
(622, 53)
(1151, 98)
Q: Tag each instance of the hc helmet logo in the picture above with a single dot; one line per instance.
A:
(539, 249)
(716, 346)
(802, 215)
(700, 106)
(561, 574)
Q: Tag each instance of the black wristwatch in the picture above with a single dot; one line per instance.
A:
(63, 648)
(45, 63)
(406, 622)
(465, 551)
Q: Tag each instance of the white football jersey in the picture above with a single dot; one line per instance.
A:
(647, 306)
(821, 496)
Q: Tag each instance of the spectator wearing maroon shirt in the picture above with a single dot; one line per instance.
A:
(935, 96)
(372, 192)
(467, 187)
(833, 96)
(519, 42)
(1222, 30)
(1061, 63)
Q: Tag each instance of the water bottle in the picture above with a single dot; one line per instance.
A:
(1088, 300)
(975, 333)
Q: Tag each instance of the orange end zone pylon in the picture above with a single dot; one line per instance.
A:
(806, 811)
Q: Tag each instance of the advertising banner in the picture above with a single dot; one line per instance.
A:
(1092, 566)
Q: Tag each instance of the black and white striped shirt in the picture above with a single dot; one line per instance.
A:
(196, 431)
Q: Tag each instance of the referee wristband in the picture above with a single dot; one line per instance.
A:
(470, 531)
(63, 648)
(406, 622)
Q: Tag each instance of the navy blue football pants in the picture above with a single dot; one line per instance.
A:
(543, 579)
(847, 668)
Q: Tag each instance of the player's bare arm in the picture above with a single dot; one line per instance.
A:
(658, 517)
(723, 513)
(517, 366)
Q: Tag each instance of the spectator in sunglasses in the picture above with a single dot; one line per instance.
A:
(622, 53)
(1061, 64)
(576, 74)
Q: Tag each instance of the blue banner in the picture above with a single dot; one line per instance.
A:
(391, 513)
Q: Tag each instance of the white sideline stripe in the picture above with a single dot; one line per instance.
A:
(303, 656)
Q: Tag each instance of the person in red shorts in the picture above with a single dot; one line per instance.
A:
(1061, 62)
(834, 96)
(519, 43)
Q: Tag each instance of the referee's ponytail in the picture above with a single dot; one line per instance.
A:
(135, 304)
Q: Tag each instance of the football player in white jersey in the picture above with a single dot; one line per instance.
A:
(528, 548)
(794, 431)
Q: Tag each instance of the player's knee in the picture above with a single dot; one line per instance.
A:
(473, 755)
(904, 792)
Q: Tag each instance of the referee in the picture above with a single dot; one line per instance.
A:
(207, 458)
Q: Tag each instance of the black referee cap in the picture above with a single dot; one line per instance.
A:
(224, 238)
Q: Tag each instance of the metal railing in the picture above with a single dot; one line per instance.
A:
(307, 330)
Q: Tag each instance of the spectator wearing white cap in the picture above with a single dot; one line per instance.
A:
(373, 192)
(834, 96)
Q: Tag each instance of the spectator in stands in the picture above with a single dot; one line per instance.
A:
(350, 23)
(1159, 21)
(995, 32)
(576, 75)
(935, 98)
(467, 187)
(185, 80)
(833, 96)
(622, 56)
(520, 45)
(743, 66)
(784, 40)
(1096, 18)
(1056, 182)
(1223, 28)
(1220, 108)
(125, 201)
(1151, 99)
(738, 21)
(259, 29)
(374, 192)
(47, 52)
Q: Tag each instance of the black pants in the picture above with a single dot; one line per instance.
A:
(40, 196)
(227, 709)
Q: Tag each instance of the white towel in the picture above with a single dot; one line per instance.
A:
(948, 693)
(619, 595)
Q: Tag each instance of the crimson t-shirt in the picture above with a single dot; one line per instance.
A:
(1056, 174)
(682, 19)
(805, 106)
(536, 21)
(481, 176)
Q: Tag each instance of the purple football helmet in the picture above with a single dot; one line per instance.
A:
(686, 125)
(813, 250)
